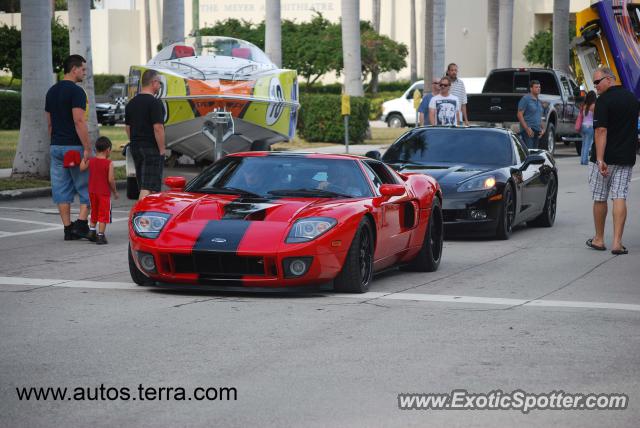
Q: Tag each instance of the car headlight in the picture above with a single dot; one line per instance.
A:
(149, 224)
(480, 183)
(307, 229)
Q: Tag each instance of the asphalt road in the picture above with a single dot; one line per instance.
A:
(538, 313)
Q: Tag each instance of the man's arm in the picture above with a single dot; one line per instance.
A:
(49, 129)
(465, 119)
(158, 132)
(601, 144)
(82, 130)
(421, 119)
(523, 124)
(112, 180)
(127, 129)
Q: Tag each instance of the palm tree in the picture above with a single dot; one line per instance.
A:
(414, 49)
(561, 35)
(492, 34)
(195, 17)
(375, 15)
(32, 155)
(505, 33)
(147, 29)
(351, 47)
(273, 32)
(439, 16)
(80, 43)
(172, 21)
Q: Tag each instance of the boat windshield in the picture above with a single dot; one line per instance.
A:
(213, 46)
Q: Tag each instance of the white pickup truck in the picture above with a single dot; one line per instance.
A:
(399, 112)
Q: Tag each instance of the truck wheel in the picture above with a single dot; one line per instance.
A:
(548, 140)
(396, 121)
(579, 148)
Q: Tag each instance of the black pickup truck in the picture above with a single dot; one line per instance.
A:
(503, 89)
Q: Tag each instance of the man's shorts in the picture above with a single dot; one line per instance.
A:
(614, 186)
(100, 208)
(149, 166)
(67, 182)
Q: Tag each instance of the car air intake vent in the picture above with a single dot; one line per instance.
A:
(218, 264)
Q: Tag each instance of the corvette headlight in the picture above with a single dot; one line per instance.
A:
(149, 224)
(480, 183)
(307, 229)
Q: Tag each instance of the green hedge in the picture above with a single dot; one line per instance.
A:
(320, 118)
(103, 82)
(9, 111)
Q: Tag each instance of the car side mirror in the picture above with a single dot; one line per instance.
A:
(533, 159)
(374, 154)
(392, 190)
(175, 183)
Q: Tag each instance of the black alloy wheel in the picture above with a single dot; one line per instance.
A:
(430, 254)
(357, 270)
(548, 215)
(507, 214)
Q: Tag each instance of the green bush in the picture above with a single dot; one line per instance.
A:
(103, 82)
(321, 120)
(398, 85)
(317, 88)
(378, 99)
(9, 111)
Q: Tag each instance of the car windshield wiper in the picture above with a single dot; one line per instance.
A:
(308, 192)
(228, 191)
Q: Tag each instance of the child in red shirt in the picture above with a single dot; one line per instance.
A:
(102, 183)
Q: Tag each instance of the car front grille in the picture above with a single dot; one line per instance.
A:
(218, 264)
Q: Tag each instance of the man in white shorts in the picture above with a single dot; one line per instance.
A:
(615, 123)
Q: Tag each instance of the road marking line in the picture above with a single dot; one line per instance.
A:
(48, 229)
(437, 298)
(28, 221)
(634, 179)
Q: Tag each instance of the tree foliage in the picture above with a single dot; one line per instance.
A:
(11, 48)
(314, 48)
(539, 49)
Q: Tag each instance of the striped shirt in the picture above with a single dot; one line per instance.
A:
(458, 89)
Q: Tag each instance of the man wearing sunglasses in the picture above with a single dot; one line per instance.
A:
(530, 116)
(615, 122)
(423, 110)
(444, 109)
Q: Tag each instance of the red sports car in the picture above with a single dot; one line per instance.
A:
(274, 220)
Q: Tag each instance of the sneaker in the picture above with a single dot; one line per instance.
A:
(68, 233)
(81, 228)
(92, 236)
(101, 240)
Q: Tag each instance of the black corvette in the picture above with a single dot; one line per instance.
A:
(490, 181)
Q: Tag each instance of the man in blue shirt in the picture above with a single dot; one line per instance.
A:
(530, 116)
(423, 110)
(66, 111)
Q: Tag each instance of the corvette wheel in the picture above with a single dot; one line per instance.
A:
(428, 259)
(507, 214)
(137, 276)
(357, 271)
(548, 216)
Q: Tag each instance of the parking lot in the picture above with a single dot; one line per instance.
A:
(539, 313)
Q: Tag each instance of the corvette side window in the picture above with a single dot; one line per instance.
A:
(382, 172)
(521, 153)
(372, 176)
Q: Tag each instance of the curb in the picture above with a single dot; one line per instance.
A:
(40, 192)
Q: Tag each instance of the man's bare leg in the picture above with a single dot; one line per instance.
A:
(84, 212)
(619, 218)
(143, 194)
(599, 217)
(65, 213)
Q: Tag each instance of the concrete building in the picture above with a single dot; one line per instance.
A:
(118, 27)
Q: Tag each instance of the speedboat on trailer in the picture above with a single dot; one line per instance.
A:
(210, 80)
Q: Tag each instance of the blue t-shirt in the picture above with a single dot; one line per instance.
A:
(531, 111)
(424, 106)
(61, 99)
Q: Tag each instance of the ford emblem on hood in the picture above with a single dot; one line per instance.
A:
(218, 240)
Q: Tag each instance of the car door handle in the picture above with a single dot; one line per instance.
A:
(495, 108)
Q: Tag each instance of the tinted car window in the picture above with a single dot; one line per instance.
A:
(521, 153)
(382, 171)
(377, 182)
(444, 146)
(265, 174)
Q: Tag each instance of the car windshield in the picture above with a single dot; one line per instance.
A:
(445, 146)
(281, 176)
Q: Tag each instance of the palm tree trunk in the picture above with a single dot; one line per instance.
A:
(80, 43)
(172, 21)
(414, 49)
(195, 17)
(273, 32)
(428, 42)
(147, 29)
(505, 33)
(561, 35)
(32, 154)
(439, 16)
(492, 34)
(351, 47)
(375, 15)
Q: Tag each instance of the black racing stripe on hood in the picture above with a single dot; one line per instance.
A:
(222, 235)
(242, 209)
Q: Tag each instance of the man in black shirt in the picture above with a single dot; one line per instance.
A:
(144, 119)
(66, 110)
(615, 122)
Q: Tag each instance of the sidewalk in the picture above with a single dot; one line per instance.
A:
(37, 192)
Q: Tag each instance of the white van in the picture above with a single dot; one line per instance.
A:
(399, 112)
